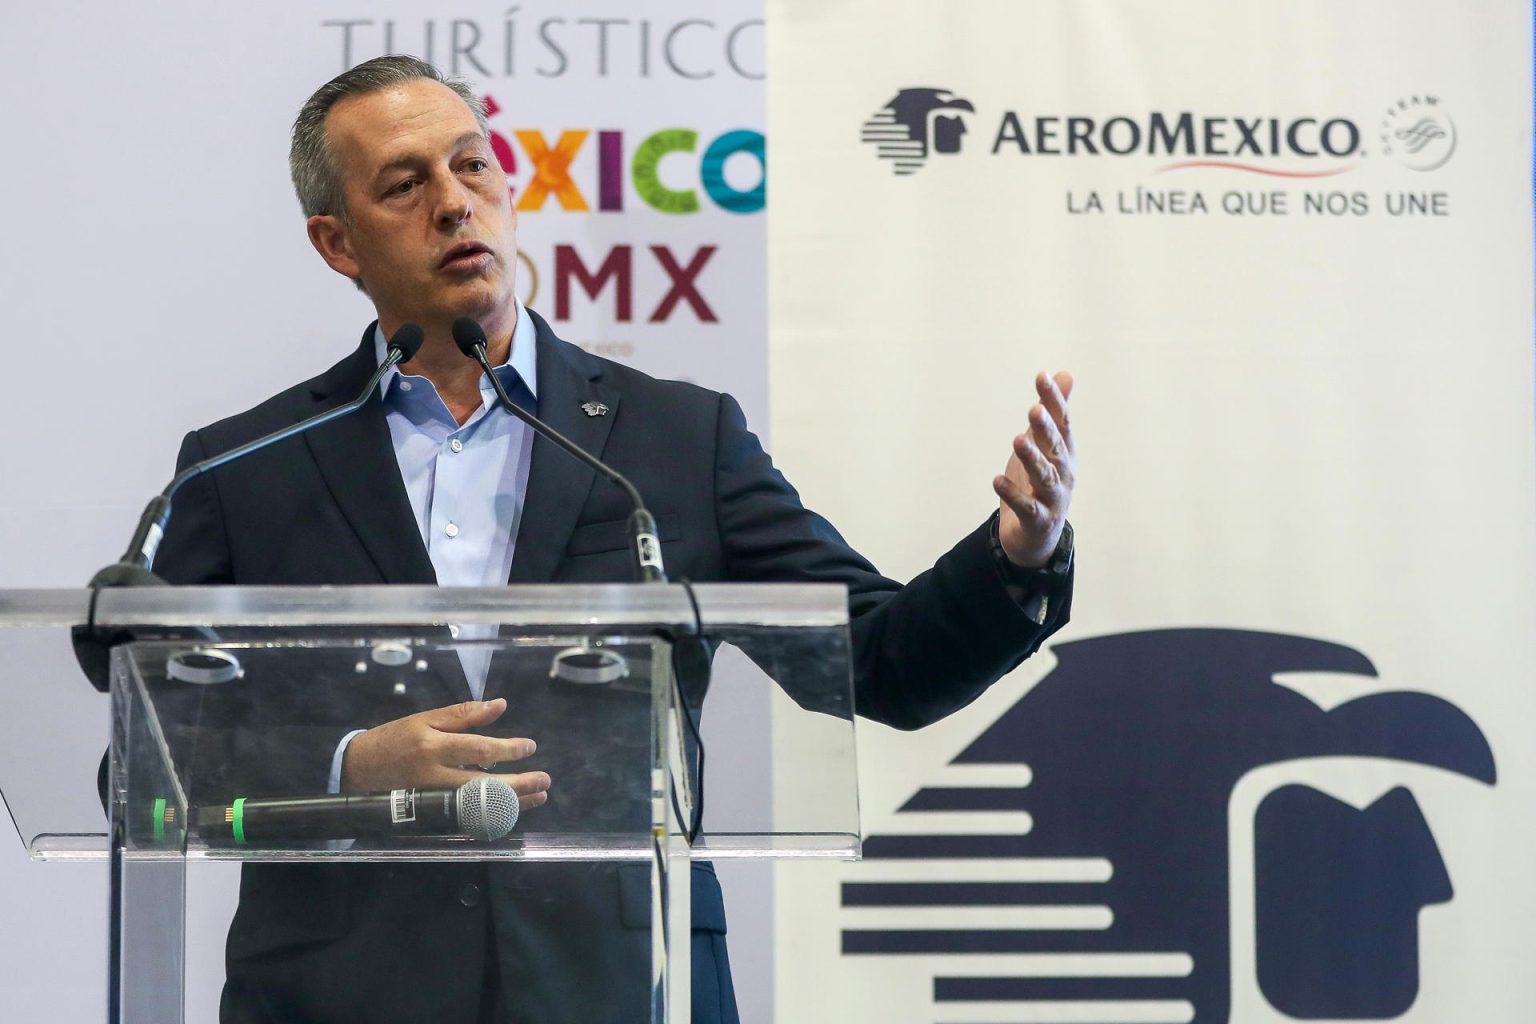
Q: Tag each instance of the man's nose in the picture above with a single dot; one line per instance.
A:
(454, 204)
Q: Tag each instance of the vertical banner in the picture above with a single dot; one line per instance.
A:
(1279, 765)
(158, 278)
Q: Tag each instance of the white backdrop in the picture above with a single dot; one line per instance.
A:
(1310, 422)
(157, 277)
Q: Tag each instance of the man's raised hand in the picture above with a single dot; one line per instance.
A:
(1036, 486)
(430, 748)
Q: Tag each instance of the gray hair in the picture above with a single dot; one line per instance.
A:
(316, 178)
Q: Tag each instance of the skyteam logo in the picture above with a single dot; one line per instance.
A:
(1419, 133)
(915, 123)
(1177, 825)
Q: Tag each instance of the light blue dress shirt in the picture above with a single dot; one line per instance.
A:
(466, 483)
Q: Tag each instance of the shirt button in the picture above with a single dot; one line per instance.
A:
(405, 385)
(469, 894)
(456, 445)
(452, 529)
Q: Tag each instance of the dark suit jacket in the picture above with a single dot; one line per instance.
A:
(407, 942)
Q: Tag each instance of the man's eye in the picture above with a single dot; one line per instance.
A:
(476, 164)
(404, 187)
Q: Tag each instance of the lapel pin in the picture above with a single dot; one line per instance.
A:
(594, 408)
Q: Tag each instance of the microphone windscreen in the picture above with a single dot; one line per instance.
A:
(408, 340)
(487, 808)
(467, 333)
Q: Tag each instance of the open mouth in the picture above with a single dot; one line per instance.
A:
(466, 256)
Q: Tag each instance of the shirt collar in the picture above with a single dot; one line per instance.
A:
(522, 360)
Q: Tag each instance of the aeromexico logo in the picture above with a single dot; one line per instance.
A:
(914, 123)
(1178, 825)
(920, 122)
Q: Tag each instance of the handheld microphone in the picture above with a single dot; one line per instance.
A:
(484, 808)
(134, 569)
(645, 545)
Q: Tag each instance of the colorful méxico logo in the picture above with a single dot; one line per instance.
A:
(904, 130)
(547, 168)
(566, 171)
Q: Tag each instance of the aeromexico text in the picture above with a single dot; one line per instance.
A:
(1182, 134)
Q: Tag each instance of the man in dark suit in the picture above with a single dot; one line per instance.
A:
(403, 196)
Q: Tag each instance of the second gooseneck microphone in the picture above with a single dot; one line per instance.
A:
(146, 539)
(645, 545)
(135, 569)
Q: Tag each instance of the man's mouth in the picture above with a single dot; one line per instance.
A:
(467, 256)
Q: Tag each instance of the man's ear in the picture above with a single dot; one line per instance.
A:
(329, 237)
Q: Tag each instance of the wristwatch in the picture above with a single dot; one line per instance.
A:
(1034, 589)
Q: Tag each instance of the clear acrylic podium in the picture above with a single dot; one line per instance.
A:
(225, 697)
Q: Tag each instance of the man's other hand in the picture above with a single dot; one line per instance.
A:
(1036, 486)
(430, 748)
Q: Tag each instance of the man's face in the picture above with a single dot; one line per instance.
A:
(432, 232)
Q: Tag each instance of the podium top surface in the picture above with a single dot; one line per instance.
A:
(785, 605)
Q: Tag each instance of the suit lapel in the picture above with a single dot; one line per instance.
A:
(557, 482)
(357, 460)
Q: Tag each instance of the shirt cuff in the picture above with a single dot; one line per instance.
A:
(334, 785)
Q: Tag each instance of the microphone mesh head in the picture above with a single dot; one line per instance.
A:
(467, 333)
(487, 808)
(408, 340)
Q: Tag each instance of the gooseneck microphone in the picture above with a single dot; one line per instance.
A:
(134, 569)
(146, 539)
(483, 808)
(645, 545)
